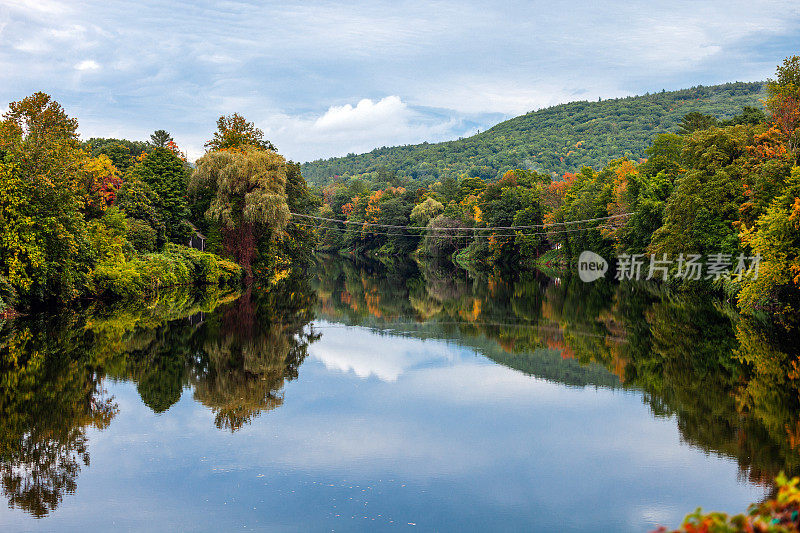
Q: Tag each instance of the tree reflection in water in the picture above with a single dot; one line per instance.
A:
(49, 395)
(248, 351)
(731, 382)
(52, 371)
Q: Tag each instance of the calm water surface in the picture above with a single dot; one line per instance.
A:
(385, 398)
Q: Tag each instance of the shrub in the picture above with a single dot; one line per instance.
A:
(141, 235)
(7, 295)
(779, 515)
(176, 265)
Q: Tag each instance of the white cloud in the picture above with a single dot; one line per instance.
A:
(348, 128)
(368, 354)
(48, 7)
(87, 65)
(366, 114)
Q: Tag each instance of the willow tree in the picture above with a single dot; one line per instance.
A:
(246, 191)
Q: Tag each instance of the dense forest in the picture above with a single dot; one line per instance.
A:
(117, 218)
(727, 190)
(114, 217)
(559, 139)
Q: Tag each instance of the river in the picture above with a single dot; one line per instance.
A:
(393, 397)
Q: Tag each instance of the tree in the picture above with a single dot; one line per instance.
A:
(749, 115)
(530, 213)
(385, 177)
(783, 103)
(167, 176)
(161, 138)
(700, 214)
(449, 189)
(298, 243)
(422, 213)
(444, 237)
(395, 212)
(145, 229)
(470, 186)
(122, 153)
(42, 231)
(248, 198)
(99, 186)
(775, 237)
(233, 131)
(696, 121)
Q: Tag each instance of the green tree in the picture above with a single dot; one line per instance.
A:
(234, 131)
(444, 237)
(248, 198)
(138, 201)
(167, 176)
(648, 190)
(775, 237)
(449, 189)
(749, 115)
(298, 241)
(422, 213)
(699, 216)
(161, 138)
(43, 248)
(694, 121)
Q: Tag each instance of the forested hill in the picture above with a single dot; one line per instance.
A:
(555, 140)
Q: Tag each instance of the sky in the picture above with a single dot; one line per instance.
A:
(324, 79)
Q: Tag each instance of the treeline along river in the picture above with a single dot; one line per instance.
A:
(392, 396)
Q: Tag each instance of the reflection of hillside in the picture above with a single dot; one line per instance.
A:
(731, 383)
(500, 320)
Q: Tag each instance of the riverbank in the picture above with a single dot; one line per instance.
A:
(140, 276)
(174, 266)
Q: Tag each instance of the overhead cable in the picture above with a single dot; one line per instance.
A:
(535, 226)
(443, 231)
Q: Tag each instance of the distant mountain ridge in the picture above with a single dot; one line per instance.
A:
(558, 139)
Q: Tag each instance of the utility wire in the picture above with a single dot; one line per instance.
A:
(535, 226)
(477, 236)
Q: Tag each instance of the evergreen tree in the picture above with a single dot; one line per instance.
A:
(161, 138)
(167, 176)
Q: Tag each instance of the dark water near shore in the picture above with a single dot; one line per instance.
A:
(386, 397)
